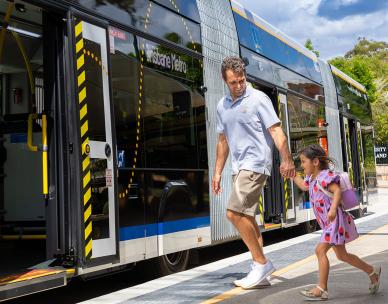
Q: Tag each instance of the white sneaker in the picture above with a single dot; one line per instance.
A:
(263, 284)
(257, 274)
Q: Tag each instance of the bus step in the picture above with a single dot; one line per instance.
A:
(31, 281)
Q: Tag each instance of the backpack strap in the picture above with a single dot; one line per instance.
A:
(329, 194)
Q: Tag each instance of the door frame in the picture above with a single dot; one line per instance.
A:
(82, 194)
(287, 184)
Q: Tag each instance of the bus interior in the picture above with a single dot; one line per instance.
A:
(22, 203)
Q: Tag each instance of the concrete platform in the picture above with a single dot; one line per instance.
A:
(297, 268)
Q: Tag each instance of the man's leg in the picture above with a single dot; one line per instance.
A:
(258, 232)
(249, 233)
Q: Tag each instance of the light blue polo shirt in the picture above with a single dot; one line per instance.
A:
(244, 123)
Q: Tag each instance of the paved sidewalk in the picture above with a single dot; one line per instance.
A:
(297, 268)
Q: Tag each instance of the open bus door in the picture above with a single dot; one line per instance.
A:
(274, 194)
(96, 149)
(31, 150)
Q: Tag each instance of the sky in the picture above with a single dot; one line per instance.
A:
(332, 25)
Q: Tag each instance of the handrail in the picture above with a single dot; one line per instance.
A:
(30, 146)
(44, 155)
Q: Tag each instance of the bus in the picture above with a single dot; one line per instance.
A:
(108, 136)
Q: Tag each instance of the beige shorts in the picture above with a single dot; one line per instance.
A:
(247, 187)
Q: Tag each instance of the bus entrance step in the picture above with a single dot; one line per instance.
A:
(31, 281)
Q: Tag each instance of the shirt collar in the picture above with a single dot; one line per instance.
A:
(246, 94)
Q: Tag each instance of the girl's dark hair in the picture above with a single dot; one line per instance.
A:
(316, 151)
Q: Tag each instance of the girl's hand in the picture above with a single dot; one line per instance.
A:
(332, 214)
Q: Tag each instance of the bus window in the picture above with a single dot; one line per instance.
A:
(305, 129)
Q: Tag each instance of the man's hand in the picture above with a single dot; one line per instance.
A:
(287, 168)
(216, 182)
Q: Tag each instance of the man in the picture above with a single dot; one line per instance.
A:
(248, 125)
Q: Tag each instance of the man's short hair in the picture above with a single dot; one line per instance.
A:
(235, 64)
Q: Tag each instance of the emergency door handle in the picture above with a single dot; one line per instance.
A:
(108, 150)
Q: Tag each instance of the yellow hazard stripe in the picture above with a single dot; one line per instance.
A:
(88, 230)
(88, 213)
(86, 179)
(80, 61)
(88, 248)
(84, 128)
(85, 163)
(79, 45)
(83, 112)
(82, 95)
(78, 29)
(81, 78)
(87, 196)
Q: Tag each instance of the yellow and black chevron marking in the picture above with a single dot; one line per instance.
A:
(83, 116)
(261, 208)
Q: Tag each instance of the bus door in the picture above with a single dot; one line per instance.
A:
(274, 190)
(360, 147)
(99, 233)
(350, 152)
(31, 151)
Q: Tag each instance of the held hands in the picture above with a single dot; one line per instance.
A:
(216, 182)
(287, 168)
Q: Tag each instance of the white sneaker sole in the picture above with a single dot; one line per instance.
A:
(258, 286)
(257, 283)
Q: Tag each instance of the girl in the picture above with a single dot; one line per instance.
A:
(337, 225)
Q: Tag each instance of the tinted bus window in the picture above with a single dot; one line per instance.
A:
(262, 68)
(257, 39)
(186, 8)
(150, 17)
(173, 108)
(352, 100)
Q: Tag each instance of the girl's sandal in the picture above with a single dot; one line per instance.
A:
(374, 287)
(310, 296)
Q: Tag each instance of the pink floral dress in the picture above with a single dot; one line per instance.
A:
(342, 230)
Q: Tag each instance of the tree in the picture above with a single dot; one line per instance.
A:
(309, 45)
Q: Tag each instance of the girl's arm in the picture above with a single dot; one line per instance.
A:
(336, 200)
(300, 183)
(336, 190)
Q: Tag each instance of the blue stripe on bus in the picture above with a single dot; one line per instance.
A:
(140, 231)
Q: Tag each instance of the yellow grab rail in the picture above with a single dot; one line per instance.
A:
(44, 155)
(30, 147)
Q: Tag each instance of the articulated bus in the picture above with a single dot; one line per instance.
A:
(108, 136)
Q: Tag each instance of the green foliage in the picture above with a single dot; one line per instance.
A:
(309, 45)
(367, 63)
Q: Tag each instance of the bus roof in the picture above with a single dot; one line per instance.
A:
(270, 29)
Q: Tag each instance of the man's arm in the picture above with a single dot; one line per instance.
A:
(221, 157)
(287, 167)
